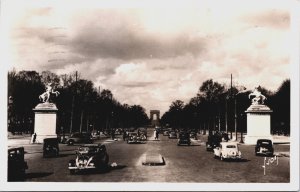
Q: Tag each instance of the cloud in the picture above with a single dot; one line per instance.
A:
(154, 55)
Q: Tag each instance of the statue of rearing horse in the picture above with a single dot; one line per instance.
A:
(258, 97)
(46, 95)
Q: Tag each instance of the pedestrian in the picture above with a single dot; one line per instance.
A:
(124, 135)
(34, 138)
(157, 133)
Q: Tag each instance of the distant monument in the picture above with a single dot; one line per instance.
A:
(258, 118)
(155, 122)
(45, 116)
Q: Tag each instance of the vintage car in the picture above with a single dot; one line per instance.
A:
(184, 138)
(172, 135)
(213, 141)
(133, 137)
(193, 135)
(227, 151)
(79, 138)
(142, 131)
(264, 147)
(16, 164)
(165, 133)
(89, 156)
(50, 147)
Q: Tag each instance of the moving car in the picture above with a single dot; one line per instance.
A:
(213, 141)
(89, 156)
(184, 138)
(264, 147)
(16, 164)
(172, 135)
(50, 147)
(227, 151)
(79, 138)
(133, 137)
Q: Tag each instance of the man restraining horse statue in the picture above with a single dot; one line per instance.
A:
(258, 97)
(46, 95)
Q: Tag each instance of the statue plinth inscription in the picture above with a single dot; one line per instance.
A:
(258, 119)
(45, 117)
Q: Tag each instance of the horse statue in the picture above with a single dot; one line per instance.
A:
(46, 95)
(258, 97)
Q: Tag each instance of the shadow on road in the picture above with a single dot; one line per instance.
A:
(38, 174)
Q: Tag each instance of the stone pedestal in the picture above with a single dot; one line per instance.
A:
(45, 121)
(258, 123)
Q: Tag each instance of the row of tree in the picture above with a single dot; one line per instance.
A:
(82, 106)
(217, 107)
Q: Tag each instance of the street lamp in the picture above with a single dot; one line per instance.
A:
(235, 115)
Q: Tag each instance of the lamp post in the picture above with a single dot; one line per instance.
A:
(235, 115)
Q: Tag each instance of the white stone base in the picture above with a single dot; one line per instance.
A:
(44, 122)
(251, 140)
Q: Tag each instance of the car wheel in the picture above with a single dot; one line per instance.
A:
(221, 157)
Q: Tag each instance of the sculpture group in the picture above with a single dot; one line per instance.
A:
(259, 98)
(46, 95)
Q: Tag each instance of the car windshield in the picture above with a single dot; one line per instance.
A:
(230, 146)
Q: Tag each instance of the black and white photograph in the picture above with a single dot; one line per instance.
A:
(196, 95)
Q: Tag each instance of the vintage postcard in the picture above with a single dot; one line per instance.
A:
(139, 95)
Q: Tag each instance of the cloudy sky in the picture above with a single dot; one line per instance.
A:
(152, 53)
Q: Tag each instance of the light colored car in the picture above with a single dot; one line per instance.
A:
(227, 151)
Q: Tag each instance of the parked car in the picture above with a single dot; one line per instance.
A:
(213, 141)
(264, 147)
(79, 138)
(184, 138)
(165, 133)
(16, 164)
(193, 135)
(227, 151)
(172, 135)
(50, 147)
(89, 156)
(133, 137)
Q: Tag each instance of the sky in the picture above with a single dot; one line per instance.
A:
(151, 53)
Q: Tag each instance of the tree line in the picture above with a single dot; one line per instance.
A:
(222, 108)
(82, 106)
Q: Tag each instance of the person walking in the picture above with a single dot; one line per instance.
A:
(124, 135)
(155, 134)
(34, 138)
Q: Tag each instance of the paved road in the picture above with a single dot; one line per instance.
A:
(183, 164)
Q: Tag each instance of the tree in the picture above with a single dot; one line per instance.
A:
(281, 108)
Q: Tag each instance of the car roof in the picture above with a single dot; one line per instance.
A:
(228, 143)
(264, 140)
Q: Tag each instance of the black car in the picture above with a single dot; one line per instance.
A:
(16, 164)
(89, 156)
(50, 147)
(213, 141)
(79, 138)
(172, 135)
(184, 138)
(264, 147)
(134, 137)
